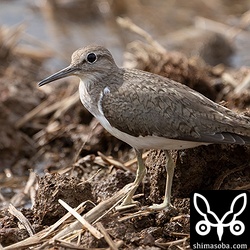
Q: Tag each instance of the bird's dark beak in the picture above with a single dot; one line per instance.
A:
(69, 71)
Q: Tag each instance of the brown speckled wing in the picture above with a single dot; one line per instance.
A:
(146, 104)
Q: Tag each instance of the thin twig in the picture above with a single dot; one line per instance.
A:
(30, 115)
(30, 182)
(114, 162)
(86, 224)
(136, 214)
(64, 218)
(25, 222)
(67, 245)
(222, 177)
(133, 161)
(171, 243)
(128, 24)
(106, 236)
(84, 143)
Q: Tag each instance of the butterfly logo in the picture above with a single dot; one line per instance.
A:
(210, 219)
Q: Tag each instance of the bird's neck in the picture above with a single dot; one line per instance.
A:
(90, 90)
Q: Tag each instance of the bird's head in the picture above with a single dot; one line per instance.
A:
(87, 62)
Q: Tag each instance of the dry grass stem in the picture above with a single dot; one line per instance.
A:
(179, 234)
(106, 236)
(171, 243)
(87, 225)
(33, 113)
(133, 161)
(44, 109)
(8, 173)
(88, 137)
(52, 228)
(126, 23)
(61, 106)
(18, 199)
(245, 187)
(244, 86)
(25, 222)
(113, 162)
(218, 182)
(134, 215)
(221, 28)
(67, 245)
(179, 217)
(10, 36)
(34, 53)
(67, 104)
(30, 182)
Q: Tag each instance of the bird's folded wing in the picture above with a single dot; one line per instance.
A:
(168, 109)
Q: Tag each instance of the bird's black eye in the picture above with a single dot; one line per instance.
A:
(91, 57)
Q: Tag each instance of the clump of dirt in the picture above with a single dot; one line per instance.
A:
(51, 188)
(202, 168)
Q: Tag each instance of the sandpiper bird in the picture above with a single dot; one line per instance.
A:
(149, 111)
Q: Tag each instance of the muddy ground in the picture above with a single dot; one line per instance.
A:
(51, 148)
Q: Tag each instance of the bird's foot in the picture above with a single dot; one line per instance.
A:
(126, 207)
(163, 206)
(127, 204)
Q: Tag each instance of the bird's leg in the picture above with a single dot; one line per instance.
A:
(170, 165)
(141, 171)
